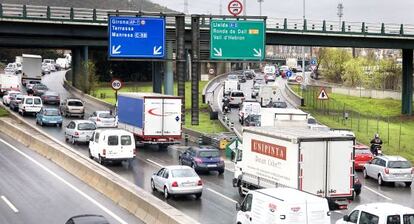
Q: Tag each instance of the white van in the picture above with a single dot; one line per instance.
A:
(30, 104)
(379, 213)
(265, 95)
(248, 107)
(112, 145)
(282, 205)
(230, 85)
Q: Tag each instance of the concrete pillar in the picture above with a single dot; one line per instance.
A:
(76, 60)
(407, 82)
(84, 68)
(181, 61)
(195, 68)
(168, 75)
(156, 77)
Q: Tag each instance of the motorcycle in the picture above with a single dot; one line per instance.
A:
(376, 149)
(226, 109)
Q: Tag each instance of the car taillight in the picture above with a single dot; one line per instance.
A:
(103, 152)
(221, 159)
(76, 133)
(200, 183)
(242, 98)
(412, 170)
(97, 119)
(231, 98)
(174, 184)
(386, 170)
(198, 160)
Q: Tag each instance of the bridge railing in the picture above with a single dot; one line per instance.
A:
(85, 15)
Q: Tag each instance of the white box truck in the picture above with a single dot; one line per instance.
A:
(229, 86)
(282, 206)
(274, 116)
(266, 94)
(317, 162)
(9, 82)
(153, 118)
(31, 68)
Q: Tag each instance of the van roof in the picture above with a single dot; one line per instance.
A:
(289, 195)
(385, 208)
(113, 131)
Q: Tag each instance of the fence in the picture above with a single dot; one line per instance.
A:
(395, 131)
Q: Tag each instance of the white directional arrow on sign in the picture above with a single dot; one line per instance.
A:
(115, 49)
(157, 50)
(257, 53)
(218, 53)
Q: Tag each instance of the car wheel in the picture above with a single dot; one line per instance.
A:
(72, 140)
(193, 166)
(408, 184)
(365, 174)
(240, 190)
(381, 182)
(101, 160)
(198, 195)
(59, 125)
(221, 172)
(66, 138)
(23, 113)
(166, 194)
(90, 154)
(152, 185)
(41, 123)
(179, 161)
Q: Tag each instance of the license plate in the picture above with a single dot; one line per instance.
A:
(53, 122)
(188, 184)
(211, 165)
(88, 137)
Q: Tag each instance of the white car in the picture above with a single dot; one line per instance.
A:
(112, 145)
(30, 104)
(389, 169)
(31, 83)
(177, 180)
(104, 119)
(79, 131)
(379, 213)
(236, 98)
(6, 97)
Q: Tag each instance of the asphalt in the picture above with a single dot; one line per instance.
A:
(217, 205)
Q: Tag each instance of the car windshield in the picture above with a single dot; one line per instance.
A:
(254, 118)
(86, 126)
(399, 164)
(237, 94)
(311, 121)
(279, 104)
(209, 153)
(232, 77)
(75, 103)
(52, 113)
(106, 115)
(183, 173)
(41, 87)
(362, 151)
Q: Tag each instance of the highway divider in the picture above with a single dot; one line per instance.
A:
(127, 195)
(294, 98)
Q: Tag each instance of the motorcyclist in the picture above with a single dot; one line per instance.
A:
(226, 102)
(376, 143)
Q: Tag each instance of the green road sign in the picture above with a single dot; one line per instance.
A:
(237, 40)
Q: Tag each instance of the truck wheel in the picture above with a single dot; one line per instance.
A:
(408, 184)
(198, 195)
(162, 147)
(241, 191)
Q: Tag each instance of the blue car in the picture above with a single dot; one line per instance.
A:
(203, 158)
(49, 116)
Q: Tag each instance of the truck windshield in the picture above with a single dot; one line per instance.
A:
(399, 164)
(209, 154)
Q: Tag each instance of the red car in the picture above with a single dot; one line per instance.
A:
(362, 155)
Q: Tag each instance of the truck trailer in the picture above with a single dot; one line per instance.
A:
(317, 162)
(31, 68)
(153, 118)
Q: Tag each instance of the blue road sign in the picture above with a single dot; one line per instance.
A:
(289, 73)
(313, 61)
(136, 37)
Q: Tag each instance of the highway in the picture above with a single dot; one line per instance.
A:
(217, 205)
(35, 190)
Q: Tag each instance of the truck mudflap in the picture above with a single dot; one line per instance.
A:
(338, 204)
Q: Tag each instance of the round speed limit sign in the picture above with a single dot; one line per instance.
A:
(116, 84)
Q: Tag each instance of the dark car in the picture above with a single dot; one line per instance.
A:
(39, 89)
(203, 158)
(252, 120)
(277, 104)
(242, 78)
(87, 219)
(14, 102)
(50, 98)
(249, 74)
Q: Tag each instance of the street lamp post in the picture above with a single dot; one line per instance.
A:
(260, 6)
(303, 50)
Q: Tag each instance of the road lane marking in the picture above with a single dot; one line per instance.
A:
(221, 195)
(109, 212)
(377, 193)
(155, 163)
(11, 206)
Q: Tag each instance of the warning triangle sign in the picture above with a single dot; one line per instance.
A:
(322, 95)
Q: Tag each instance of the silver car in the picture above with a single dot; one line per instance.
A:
(104, 119)
(177, 180)
(79, 131)
(389, 169)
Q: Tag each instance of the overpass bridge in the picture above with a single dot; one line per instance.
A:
(80, 29)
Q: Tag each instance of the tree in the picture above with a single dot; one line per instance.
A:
(333, 60)
(354, 74)
(387, 76)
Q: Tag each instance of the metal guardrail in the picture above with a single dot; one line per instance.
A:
(100, 16)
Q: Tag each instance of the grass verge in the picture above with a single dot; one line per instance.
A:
(3, 112)
(205, 124)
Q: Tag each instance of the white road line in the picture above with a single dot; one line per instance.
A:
(155, 163)
(109, 212)
(221, 195)
(12, 207)
(377, 193)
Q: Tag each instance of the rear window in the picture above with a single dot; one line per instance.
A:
(37, 101)
(106, 115)
(393, 219)
(52, 113)
(399, 164)
(183, 173)
(362, 151)
(41, 87)
(75, 103)
(29, 101)
(237, 94)
(86, 126)
(368, 218)
(125, 140)
(209, 153)
(408, 219)
(113, 140)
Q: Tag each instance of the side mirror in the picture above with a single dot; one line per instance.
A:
(238, 206)
(346, 218)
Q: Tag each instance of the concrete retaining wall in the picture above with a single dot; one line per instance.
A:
(134, 199)
(370, 93)
(293, 97)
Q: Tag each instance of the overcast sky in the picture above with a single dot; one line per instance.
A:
(372, 11)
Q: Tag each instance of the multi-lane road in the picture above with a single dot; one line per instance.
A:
(217, 205)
